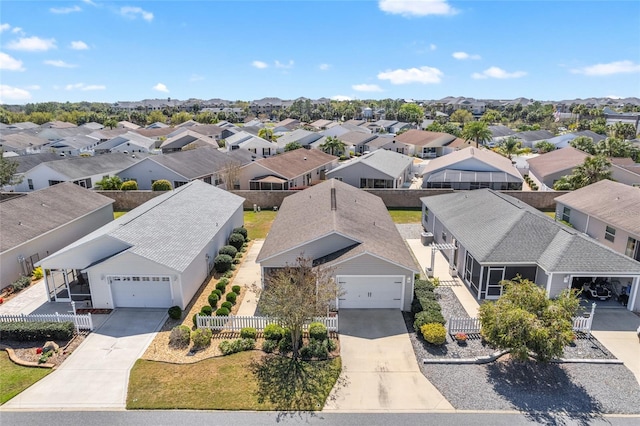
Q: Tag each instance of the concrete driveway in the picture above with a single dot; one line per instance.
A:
(96, 375)
(379, 367)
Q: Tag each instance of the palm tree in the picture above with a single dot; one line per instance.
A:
(333, 146)
(593, 169)
(477, 131)
(509, 146)
(266, 133)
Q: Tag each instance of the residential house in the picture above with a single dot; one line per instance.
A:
(155, 256)
(350, 232)
(36, 224)
(184, 139)
(21, 143)
(530, 138)
(606, 211)
(426, 144)
(157, 125)
(127, 143)
(83, 171)
(179, 168)
(28, 162)
(301, 136)
(249, 142)
(489, 237)
(93, 125)
(562, 141)
(286, 125)
(292, 170)
(73, 146)
(472, 168)
(127, 125)
(377, 169)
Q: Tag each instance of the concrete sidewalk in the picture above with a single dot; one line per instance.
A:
(441, 270)
(26, 301)
(249, 276)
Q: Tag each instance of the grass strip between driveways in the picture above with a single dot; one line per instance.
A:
(243, 381)
(15, 378)
(406, 215)
(259, 223)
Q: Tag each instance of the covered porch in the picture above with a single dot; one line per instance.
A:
(268, 183)
(66, 285)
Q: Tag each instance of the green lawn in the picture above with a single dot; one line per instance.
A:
(118, 213)
(406, 215)
(242, 381)
(258, 224)
(15, 378)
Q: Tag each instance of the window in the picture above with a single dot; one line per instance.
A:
(632, 246)
(610, 234)
(444, 236)
(207, 180)
(426, 215)
(178, 183)
(54, 182)
(30, 182)
(566, 214)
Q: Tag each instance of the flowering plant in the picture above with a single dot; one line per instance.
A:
(461, 337)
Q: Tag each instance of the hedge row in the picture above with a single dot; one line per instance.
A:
(33, 331)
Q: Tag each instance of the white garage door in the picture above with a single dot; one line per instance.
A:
(371, 292)
(141, 292)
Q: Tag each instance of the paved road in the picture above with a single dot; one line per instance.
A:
(172, 418)
(96, 375)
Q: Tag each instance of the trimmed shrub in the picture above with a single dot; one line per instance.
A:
(195, 319)
(236, 240)
(217, 293)
(130, 185)
(235, 262)
(434, 333)
(228, 250)
(248, 333)
(222, 263)
(240, 230)
(234, 346)
(201, 338)
(269, 346)
(227, 305)
(427, 317)
(20, 283)
(206, 311)
(228, 274)
(213, 300)
(37, 273)
(239, 255)
(285, 346)
(175, 312)
(224, 280)
(319, 349)
(31, 331)
(161, 185)
(222, 312)
(236, 289)
(273, 332)
(318, 331)
(231, 297)
(221, 286)
(306, 352)
(331, 345)
(180, 337)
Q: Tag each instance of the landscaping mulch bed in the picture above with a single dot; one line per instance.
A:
(6, 294)
(26, 351)
(93, 311)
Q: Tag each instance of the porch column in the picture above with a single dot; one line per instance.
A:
(430, 271)
(634, 296)
(46, 283)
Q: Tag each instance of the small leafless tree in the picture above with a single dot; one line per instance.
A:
(230, 174)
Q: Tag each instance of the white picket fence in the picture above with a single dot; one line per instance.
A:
(82, 322)
(472, 325)
(237, 323)
(463, 325)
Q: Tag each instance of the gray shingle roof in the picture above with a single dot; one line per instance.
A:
(390, 163)
(31, 215)
(173, 228)
(81, 167)
(28, 162)
(360, 216)
(485, 160)
(499, 229)
(193, 163)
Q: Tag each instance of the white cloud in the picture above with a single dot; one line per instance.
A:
(196, 77)
(161, 88)
(79, 45)
(433, 46)
(259, 64)
(288, 65)
(464, 55)
(341, 98)
(495, 72)
(409, 8)
(32, 44)
(59, 64)
(135, 12)
(367, 88)
(4, 27)
(17, 30)
(64, 10)
(618, 67)
(424, 75)
(33, 87)
(13, 93)
(324, 67)
(89, 2)
(84, 87)
(9, 63)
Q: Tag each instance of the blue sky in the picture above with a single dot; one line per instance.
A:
(363, 49)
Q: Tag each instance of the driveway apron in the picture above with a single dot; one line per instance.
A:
(379, 367)
(96, 375)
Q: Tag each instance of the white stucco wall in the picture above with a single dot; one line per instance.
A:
(147, 171)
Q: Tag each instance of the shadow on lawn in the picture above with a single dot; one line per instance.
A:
(544, 393)
(294, 387)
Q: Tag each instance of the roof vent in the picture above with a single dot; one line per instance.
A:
(333, 199)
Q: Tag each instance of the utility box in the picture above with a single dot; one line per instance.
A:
(426, 238)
